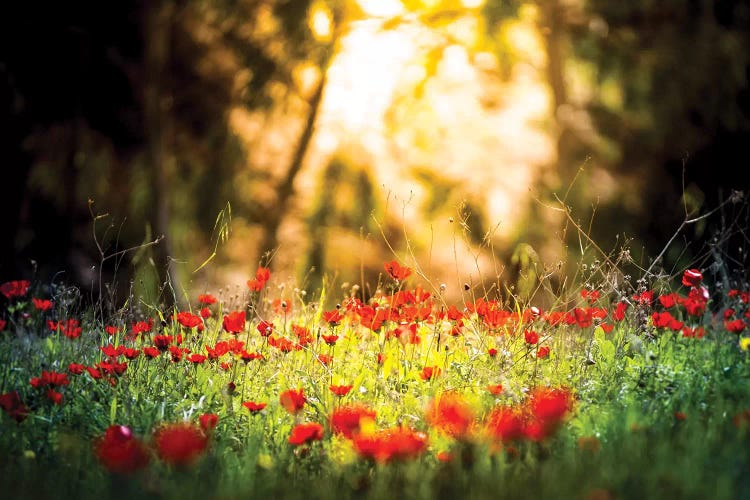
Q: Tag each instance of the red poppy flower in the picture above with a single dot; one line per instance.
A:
(51, 379)
(306, 433)
(250, 356)
(15, 288)
(262, 275)
(451, 414)
(151, 352)
(347, 419)
(619, 313)
(141, 327)
(180, 443)
(234, 322)
(119, 451)
(332, 317)
(399, 443)
(196, 359)
(265, 328)
(253, 406)
(430, 372)
(176, 353)
(583, 317)
(495, 389)
(325, 359)
(697, 332)
(162, 342)
(70, 328)
(546, 407)
(505, 424)
(206, 299)
(591, 295)
(12, 405)
(293, 400)
(666, 320)
(397, 271)
(381, 358)
(54, 396)
(41, 304)
(75, 368)
(208, 421)
(304, 337)
(644, 298)
(283, 344)
(112, 351)
(205, 313)
(542, 352)
(111, 330)
(737, 326)
(188, 319)
(330, 339)
(113, 368)
(131, 352)
(692, 277)
(492, 352)
(669, 300)
(531, 337)
(282, 306)
(2, 324)
(340, 390)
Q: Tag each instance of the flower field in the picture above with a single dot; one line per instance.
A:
(612, 392)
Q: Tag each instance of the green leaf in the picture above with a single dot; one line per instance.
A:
(113, 411)
(606, 347)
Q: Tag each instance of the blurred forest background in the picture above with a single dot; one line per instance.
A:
(335, 128)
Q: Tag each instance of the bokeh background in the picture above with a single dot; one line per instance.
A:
(342, 131)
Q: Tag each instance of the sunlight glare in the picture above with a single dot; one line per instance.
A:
(381, 8)
(472, 4)
(321, 22)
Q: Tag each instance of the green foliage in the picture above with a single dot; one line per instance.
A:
(655, 416)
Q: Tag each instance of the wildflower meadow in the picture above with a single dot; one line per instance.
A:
(621, 387)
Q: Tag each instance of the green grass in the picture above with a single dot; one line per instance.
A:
(653, 417)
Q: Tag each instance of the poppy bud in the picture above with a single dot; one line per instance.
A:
(692, 277)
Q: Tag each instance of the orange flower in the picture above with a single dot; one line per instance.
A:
(347, 419)
(206, 299)
(450, 414)
(293, 400)
(495, 389)
(397, 271)
(262, 275)
(340, 390)
(430, 372)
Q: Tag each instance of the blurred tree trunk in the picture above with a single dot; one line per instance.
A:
(285, 189)
(554, 30)
(157, 39)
